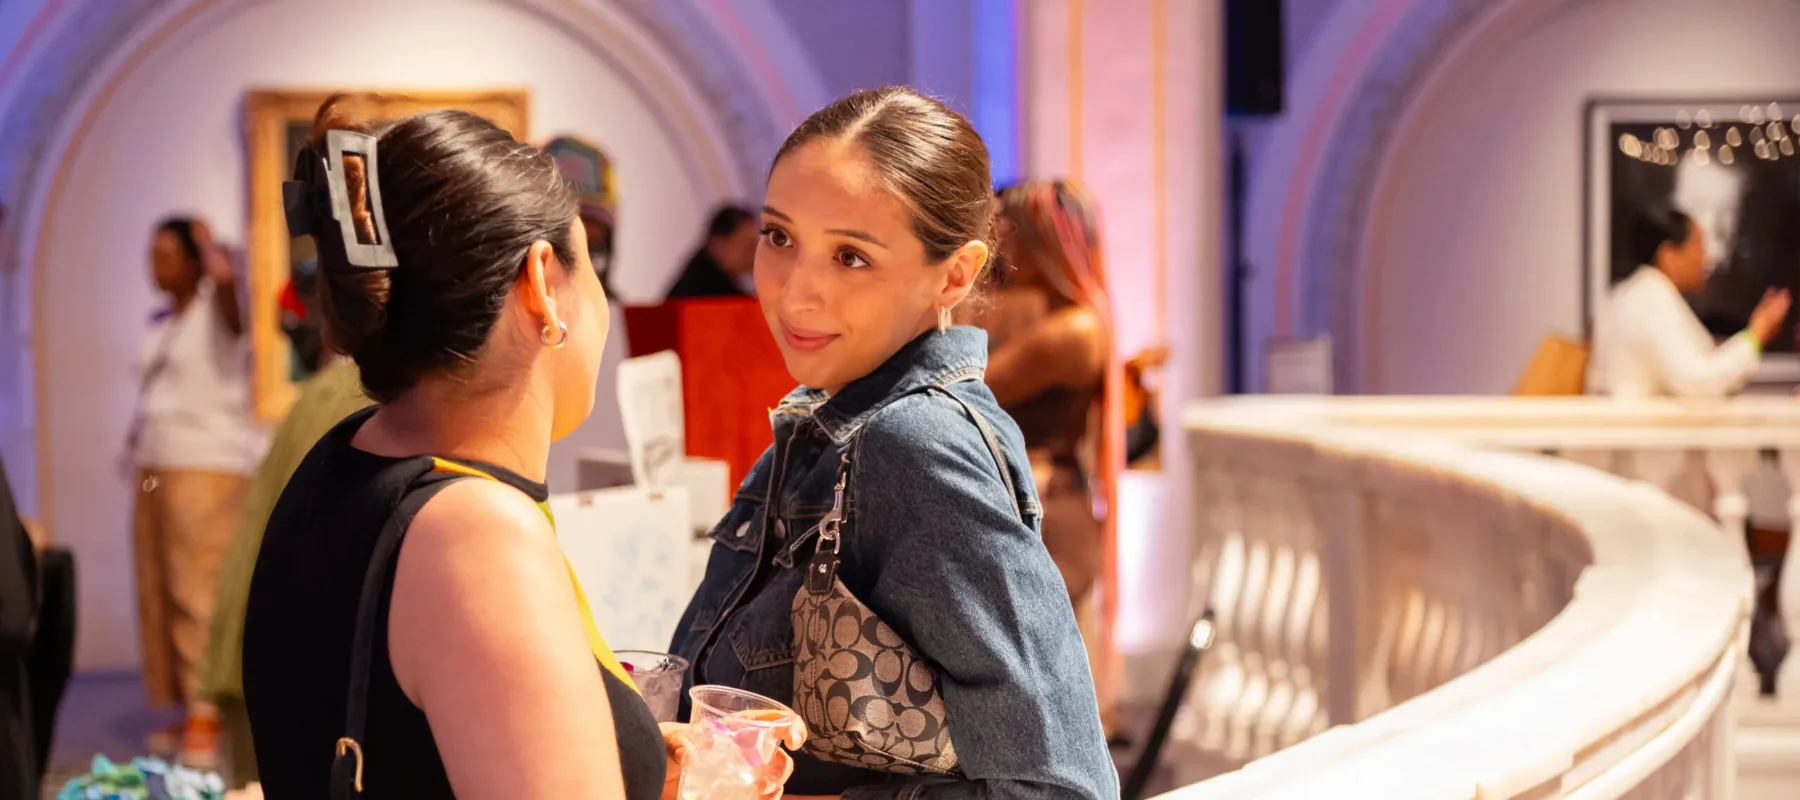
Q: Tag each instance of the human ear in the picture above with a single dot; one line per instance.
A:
(533, 287)
(965, 265)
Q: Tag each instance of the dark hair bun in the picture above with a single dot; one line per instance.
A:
(464, 202)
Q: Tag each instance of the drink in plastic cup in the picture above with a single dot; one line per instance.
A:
(733, 742)
(658, 677)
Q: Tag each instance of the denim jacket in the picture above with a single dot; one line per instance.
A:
(936, 547)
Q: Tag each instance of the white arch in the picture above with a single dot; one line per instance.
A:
(1366, 74)
(1317, 169)
(728, 78)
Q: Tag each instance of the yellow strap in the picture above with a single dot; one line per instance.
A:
(602, 653)
(596, 644)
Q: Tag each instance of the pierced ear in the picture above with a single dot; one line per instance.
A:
(965, 267)
(534, 284)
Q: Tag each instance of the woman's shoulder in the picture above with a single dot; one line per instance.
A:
(926, 461)
(482, 542)
(949, 421)
(483, 520)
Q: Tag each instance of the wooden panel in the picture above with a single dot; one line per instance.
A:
(275, 122)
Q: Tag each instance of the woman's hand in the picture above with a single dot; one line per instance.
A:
(220, 266)
(215, 260)
(675, 744)
(1770, 314)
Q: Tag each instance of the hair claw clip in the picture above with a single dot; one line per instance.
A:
(308, 205)
(380, 254)
(302, 203)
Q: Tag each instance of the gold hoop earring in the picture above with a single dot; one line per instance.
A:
(943, 320)
(544, 335)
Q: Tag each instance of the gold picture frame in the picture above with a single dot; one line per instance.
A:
(275, 125)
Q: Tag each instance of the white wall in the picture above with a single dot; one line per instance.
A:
(1475, 251)
(169, 141)
(854, 45)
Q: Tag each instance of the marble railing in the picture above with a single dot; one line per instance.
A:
(1733, 459)
(1404, 615)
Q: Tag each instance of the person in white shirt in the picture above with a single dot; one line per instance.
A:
(1649, 342)
(193, 445)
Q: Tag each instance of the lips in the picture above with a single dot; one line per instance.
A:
(805, 341)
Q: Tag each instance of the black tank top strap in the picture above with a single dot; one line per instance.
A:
(371, 609)
(538, 492)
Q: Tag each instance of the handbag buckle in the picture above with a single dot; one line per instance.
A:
(348, 746)
(833, 519)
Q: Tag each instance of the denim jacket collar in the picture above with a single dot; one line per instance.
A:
(932, 359)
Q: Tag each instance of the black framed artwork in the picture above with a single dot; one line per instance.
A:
(1731, 165)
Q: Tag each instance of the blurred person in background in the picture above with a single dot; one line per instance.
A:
(298, 324)
(193, 444)
(332, 393)
(1055, 374)
(721, 267)
(591, 173)
(1648, 341)
(19, 744)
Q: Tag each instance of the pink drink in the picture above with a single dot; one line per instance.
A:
(658, 677)
(734, 741)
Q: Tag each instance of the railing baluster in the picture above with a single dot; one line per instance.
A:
(1342, 512)
(1730, 469)
(1353, 571)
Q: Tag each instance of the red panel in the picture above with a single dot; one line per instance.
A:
(731, 373)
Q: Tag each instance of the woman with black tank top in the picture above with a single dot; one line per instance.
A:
(412, 629)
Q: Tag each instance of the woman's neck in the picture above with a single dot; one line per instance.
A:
(439, 417)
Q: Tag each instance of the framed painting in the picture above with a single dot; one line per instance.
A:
(276, 124)
(1733, 166)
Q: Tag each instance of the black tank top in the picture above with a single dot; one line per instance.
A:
(299, 622)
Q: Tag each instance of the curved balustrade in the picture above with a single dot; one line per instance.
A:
(1405, 616)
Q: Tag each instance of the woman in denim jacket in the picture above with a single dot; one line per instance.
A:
(879, 221)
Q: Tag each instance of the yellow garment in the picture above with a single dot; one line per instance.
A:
(332, 394)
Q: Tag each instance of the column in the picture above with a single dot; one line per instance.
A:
(1127, 96)
(941, 35)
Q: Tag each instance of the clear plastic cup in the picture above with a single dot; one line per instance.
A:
(733, 741)
(658, 677)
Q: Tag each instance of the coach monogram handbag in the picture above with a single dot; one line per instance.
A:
(867, 698)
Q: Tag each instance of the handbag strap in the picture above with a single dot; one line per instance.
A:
(371, 607)
(823, 569)
(993, 443)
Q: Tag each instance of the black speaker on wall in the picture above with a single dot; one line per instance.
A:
(1255, 64)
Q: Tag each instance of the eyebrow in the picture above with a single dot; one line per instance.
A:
(850, 232)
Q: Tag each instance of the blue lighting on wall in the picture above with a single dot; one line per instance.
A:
(996, 68)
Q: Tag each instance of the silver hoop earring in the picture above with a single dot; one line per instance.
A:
(943, 320)
(544, 335)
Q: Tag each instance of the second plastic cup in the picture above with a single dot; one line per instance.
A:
(734, 737)
(658, 677)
